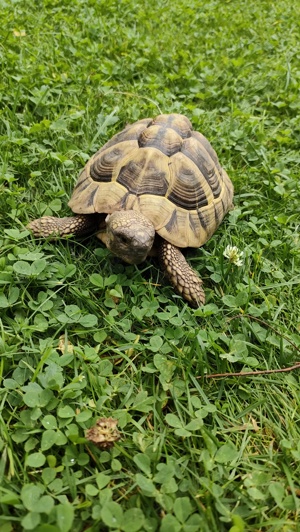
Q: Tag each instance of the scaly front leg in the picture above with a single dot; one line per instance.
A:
(50, 226)
(179, 272)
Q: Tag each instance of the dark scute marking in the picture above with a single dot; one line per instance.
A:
(103, 164)
(131, 132)
(188, 192)
(200, 157)
(192, 224)
(207, 145)
(82, 186)
(223, 206)
(80, 180)
(202, 219)
(128, 176)
(90, 201)
(162, 138)
(216, 215)
(124, 200)
(202, 201)
(154, 180)
(154, 141)
(178, 122)
(103, 178)
(172, 223)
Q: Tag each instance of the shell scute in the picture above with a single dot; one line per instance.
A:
(167, 140)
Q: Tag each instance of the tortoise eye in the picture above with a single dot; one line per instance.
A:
(124, 239)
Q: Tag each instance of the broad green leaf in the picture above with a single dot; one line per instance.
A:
(48, 474)
(142, 402)
(31, 520)
(89, 320)
(256, 494)
(35, 396)
(22, 267)
(133, 520)
(38, 266)
(183, 433)
(48, 439)
(55, 204)
(49, 422)
(36, 460)
(173, 421)
(164, 473)
(195, 424)
(226, 453)
(45, 504)
(97, 280)
(60, 438)
(277, 490)
(15, 234)
(116, 465)
(31, 256)
(143, 463)
(112, 515)
(105, 368)
(169, 486)
(182, 509)
(10, 384)
(169, 523)
(83, 416)
(65, 412)
(111, 279)
(30, 494)
(241, 299)
(207, 310)
(156, 342)
(146, 485)
(102, 480)
(91, 490)
(3, 301)
(166, 368)
(194, 523)
(100, 336)
(229, 301)
(65, 516)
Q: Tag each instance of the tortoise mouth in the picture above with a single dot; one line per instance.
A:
(128, 253)
(134, 260)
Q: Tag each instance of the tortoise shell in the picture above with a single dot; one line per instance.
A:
(164, 169)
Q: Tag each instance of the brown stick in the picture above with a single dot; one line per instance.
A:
(259, 372)
(247, 373)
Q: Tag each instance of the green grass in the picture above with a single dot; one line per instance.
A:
(85, 336)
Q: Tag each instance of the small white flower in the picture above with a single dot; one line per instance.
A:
(234, 255)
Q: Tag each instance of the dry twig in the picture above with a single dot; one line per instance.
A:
(296, 365)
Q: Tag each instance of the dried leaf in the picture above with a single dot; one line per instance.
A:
(104, 433)
(64, 345)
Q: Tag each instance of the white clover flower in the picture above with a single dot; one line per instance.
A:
(234, 255)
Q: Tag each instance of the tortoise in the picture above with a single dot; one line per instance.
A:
(155, 187)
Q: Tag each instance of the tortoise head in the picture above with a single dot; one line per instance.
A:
(129, 235)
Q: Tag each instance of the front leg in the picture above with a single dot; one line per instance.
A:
(51, 227)
(179, 272)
